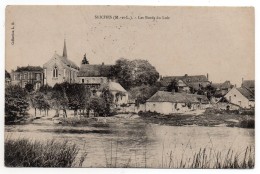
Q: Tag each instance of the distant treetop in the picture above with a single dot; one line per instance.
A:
(85, 61)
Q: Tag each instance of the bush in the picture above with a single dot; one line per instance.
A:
(25, 153)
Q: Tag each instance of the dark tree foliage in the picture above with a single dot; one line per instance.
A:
(173, 86)
(134, 73)
(29, 87)
(143, 93)
(7, 74)
(45, 89)
(107, 97)
(16, 104)
(59, 98)
(84, 61)
(78, 97)
(97, 104)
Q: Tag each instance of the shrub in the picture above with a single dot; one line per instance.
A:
(25, 153)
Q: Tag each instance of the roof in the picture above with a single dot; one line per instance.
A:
(165, 81)
(224, 85)
(87, 70)
(247, 93)
(250, 84)
(113, 86)
(64, 60)
(28, 68)
(162, 96)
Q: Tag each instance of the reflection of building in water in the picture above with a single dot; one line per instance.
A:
(27, 75)
(60, 69)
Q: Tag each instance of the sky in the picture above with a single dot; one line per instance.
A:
(191, 40)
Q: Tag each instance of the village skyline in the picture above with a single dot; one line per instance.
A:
(189, 42)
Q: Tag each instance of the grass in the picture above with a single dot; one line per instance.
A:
(26, 153)
(82, 121)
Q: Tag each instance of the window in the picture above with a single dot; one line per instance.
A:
(82, 80)
(101, 80)
(25, 76)
(55, 72)
(37, 76)
(64, 72)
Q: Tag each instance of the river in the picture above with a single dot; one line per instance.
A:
(131, 142)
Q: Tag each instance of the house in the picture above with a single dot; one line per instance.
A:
(60, 69)
(93, 76)
(242, 97)
(169, 102)
(222, 88)
(185, 83)
(120, 95)
(249, 85)
(27, 75)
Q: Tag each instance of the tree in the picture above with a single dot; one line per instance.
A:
(143, 93)
(97, 104)
(7, 74)
(29, 87)
(59, 98)
(78, 97)
(84, 61)
(107, 97)
(16, 103)
(134, 73)
(173, 86)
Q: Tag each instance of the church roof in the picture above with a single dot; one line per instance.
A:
(87, 70)
(64, 60)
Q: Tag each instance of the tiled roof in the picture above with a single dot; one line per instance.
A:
(87, 70)
(250, 84)
(224, 85)
(29, 68)
(165, 81)
(162, 96)
(113, 86)
(247, 93)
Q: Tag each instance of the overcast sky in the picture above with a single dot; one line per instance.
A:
(193, 41)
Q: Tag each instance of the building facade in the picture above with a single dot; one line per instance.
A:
(27, 75)
(60, 69)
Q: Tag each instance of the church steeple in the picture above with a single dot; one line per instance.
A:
(64, 49)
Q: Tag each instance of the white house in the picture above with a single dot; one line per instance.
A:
(168, 102)
(120, 95)
(241, 97)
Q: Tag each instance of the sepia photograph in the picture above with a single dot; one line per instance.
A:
(162, 87)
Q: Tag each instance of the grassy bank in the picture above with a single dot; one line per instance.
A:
(208, 118)
(26, 153)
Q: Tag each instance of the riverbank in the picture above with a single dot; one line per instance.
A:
(205, 118)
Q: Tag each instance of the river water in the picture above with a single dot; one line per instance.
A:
(131, 142)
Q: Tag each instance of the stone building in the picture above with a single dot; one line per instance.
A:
(60, 69)
(27, 75)
(93, 76)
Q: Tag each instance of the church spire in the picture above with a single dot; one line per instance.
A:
(64, 49)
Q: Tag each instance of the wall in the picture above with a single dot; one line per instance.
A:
(90, 80)
(237, 98)
(65, 73)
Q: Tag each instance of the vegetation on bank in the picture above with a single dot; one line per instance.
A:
(26, 153)
(211, 117)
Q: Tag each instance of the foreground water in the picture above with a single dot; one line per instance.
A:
(130, 142)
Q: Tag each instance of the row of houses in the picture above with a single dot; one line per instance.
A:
(59, 69)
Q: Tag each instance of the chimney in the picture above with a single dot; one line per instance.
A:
(103, 63)
(186, 75)
(208, 76)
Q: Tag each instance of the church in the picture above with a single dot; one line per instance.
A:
(60, 69)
